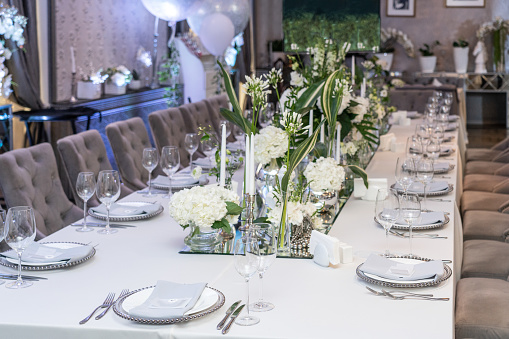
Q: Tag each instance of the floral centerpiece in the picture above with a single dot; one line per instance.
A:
(118, 78)
(324, 174)
(89, 85)
(206, 210)
(499, 28)
(12, 26)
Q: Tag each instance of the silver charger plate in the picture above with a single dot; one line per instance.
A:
(376, 280)
(419, 227)
(121, 312)
(7, 263)
(449, 189)
(128, 217)
(447, 152)
(203, 181)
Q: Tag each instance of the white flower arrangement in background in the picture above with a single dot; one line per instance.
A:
(361, 109)
(270, 143)
(144, 57)
(349, 148)
(491, 26)
(296, 212)
(119, 76)
(95, 77)
(205, 206)
(324, 174)
(389, 36)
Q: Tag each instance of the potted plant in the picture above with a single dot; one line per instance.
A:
(135, 82)
(89, 87)
(428, 59)
(460, 50)
(388, 39)
(118, 78)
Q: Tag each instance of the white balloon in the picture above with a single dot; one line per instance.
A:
(172, 10)
(237, 10)
(216, 33)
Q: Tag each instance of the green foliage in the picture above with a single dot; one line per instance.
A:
(428, 48)
(460, 43)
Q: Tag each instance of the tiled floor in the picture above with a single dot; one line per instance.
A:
(487, 136)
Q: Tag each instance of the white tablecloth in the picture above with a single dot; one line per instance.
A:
(311, 301)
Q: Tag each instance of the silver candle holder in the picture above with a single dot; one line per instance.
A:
(250, 205)
(73, 88)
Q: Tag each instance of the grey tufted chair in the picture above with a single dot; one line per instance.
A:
(29, 177)
(214, 105)
(169, 129)
(85, 152)
(127, 139)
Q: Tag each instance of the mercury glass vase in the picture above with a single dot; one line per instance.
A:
(203, 239)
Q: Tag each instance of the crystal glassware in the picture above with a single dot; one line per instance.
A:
(424, 173)
(108, 191)
(433, 149)
(265, 235)
(246, 264)
(85, 187)
(405, 173)
(410, 211)
(413, 147)
(170, 163)
(422, 132)
(209, 147)
(149, 160)
(19, 233)
(191, 143)
(387, 212)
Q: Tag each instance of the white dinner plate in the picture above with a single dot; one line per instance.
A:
(134, 204)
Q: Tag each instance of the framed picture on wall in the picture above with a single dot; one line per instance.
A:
(401, 8)
(464, 3)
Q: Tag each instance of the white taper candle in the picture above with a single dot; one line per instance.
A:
(322, 132)
(247, 165)
(338, 144)
(353, 69)
(252, 169)
(73, 61)
(222, 172)
(363, 88)
(310, 123)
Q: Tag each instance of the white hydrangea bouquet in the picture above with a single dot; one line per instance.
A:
(205, 207)
(119, 76)
(324, 175)
(271, 143)
(297, 212)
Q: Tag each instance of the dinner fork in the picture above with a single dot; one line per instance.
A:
(393, 292)
(123, 293)
(419, 297)
(107, 302)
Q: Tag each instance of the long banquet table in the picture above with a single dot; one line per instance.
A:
(311, 301)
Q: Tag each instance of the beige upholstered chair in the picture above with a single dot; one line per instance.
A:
(214, 105)
(29, 177)
(484, 167)
(497, 153)
(482, 259)
(486, 225)
(85, 152)
(486, 183)
(168, 129)
(127, 139)
(484, 201)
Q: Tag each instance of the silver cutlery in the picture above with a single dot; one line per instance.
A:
(123, 293)
(417, 235)
(24, 277)
(228, 312)
(107, 302)
(232, 319)
(439, 199)
(417, 297)
(397, 292)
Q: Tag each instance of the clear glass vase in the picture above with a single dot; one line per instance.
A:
(285, 229)
(203, 239)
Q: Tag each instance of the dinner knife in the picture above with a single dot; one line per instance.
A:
(232, 319)
(228, 312)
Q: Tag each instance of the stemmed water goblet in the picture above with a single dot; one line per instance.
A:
(191, 143)
(413, 148)
(405, 173)
(108, 191)
(246, 264)
(149, 160)
(85, 187)
(410, 210)
(265, 235)
(19, 233)
(170, 163)
(387, 212)
(422, 132)
(209, 147)
(433, 149)
(425, 170)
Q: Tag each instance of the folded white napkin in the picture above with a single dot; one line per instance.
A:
(441, 166)
(453, 117)
(40, 253)
(126, 210)
(204, 162)
(386, 141)
(374, 184)
(445, 149)
(418, 187)
(169, 300)
(328, 246)
(176, 180)
(427, 218)
(391, 269)
(451, 126)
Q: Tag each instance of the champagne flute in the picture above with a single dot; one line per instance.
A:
(265, 235)
(191, 142)
(410, 210)
(108, 191)
(405, 173)
(170, 162)
(387, 212)
(425, 171)
(20, 232)
(246, 264)
(149, 160)
(85, 187)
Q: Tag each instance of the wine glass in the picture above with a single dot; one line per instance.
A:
(387, 212)
(433, 149)
(108, 191)
(265, 235)
(410, 210)
(246, 264)
(20, 232)
(170, 162)
(425, 170)
(422, 132)
(85, 187)
(413, 147)
(405, 173)
(209, 147)
(150, 160)
(191, 142)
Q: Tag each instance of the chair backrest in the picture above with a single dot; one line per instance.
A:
(196, 115)
(214, 105)
(85, 152)
(169, 129)
(29, 177)
(127, 139)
